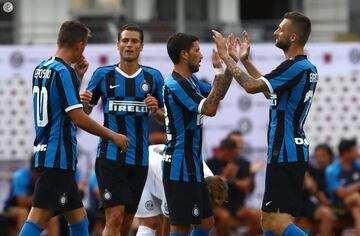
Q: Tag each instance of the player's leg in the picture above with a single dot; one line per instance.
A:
(207, 222)
(185, 203)
(74, 211)
(148, 226)
(46, 196)
(114, 193)
(37, 221)
(282, 198)
(136, 179)
(78, 222)
(148, 210)
(165, 225)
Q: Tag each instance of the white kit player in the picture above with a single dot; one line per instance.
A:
(152, 206)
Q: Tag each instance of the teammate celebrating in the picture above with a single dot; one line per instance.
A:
(187, 99)
(291, 87)
(57, 112)
(128, 92)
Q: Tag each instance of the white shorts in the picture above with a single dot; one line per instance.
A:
(153, 201)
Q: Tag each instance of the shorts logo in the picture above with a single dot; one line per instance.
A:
(196, 211)
(63, 199)
(149, 205)
(145, 87)
(107, 195)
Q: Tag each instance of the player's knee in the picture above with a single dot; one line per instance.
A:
(150, 222)
(114, 218)
(275, 222)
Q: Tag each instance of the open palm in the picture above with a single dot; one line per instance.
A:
(244, 45)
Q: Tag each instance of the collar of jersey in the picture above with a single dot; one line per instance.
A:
(126, 75)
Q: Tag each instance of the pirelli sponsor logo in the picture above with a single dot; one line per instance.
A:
(128, 106)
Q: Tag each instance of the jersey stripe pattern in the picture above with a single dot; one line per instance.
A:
(55, 93)
(183, 101)
(292, 85)
(124, 109)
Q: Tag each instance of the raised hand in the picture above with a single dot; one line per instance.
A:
(151, 103)
(231, 43)
(220, 44)
(81, 66)
(85, 96)
(216, 61)
(244, 46)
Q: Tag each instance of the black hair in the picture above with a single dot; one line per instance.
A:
(178, 42)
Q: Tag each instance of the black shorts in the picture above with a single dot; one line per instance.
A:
(284, 187)
(120, 183)
(56, 190)
(188, 203)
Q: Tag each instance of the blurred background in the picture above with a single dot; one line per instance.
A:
(28, 32)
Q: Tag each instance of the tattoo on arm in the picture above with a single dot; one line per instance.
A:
(246, 81)
(221, 85)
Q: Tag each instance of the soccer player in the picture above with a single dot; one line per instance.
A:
(187, 99)
(153, 206)
(57, 112)
(291, 87)
(129, 91)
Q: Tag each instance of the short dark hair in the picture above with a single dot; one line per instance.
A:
(301, 25)
(132, 27)
(227, 144)
(72, 32)
(326, 148)
(346, 145)
(178, 42)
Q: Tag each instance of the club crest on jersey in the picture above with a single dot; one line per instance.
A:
(196, 211)
(145, 87)
(107, 195)
(149, 205)
(63, 199)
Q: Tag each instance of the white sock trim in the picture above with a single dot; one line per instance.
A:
(145, 231)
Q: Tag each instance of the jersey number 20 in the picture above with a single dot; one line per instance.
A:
(41, 99)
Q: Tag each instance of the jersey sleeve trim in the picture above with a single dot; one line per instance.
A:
(201, 105)
(271, 90)
(73, 107)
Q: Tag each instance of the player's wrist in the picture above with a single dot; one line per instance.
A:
(219, 71)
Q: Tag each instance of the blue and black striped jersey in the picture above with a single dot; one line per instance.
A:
(292, 86)
(183, 98)
(55, 93)
(124, 109)
(339, 177)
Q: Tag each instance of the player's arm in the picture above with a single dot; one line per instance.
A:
(82, 120)
(81, 67)
(343, 192)
(85, 98)
(153, 105)
(249, 83)
(220, 86)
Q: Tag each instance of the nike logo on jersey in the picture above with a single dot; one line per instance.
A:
(114, 86)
